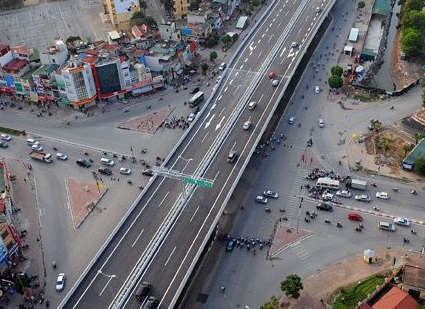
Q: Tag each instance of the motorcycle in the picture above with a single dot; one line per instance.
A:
(413, 231)
(406, 240)
(306, 219)
(376, 208)
(129, 182)
(339, 225)
(267, 209)
(328, 221)
(414, 192)
(395, 189)
(358, 229)
(54, 264)
(373, 184)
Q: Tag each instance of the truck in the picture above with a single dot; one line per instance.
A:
(42, 156)
(356, 184)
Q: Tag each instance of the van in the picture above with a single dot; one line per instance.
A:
(232, 156)
(386, 226)
(108, 162)
(222, 66)
(30, 141)
(142, 291)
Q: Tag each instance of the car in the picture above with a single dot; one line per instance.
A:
(3, 145)
(222, 66)
(382, 195)
(105, 171)
(325, 207)
(125, 171)
(386, 226)
(252, 105)
(363, 198)
(402, 221)
(317, 89)
(60, 282)
(326, 196)
(247, 125)
(83, 163)
(147, 172)
(106, 161)
(343, 193)
(37, 147)
(271, 194)
(291, 120)
(355, 217)
(294, 45)
(321, 123)
(5, 137)
(195, 110)
(261, 199)
(275, 83)
(61, 156)
(191, 117)
(150, 303)
(318, 10)
(233, 155)
(272, 74)
(142, 291)
(230, 246)
(194, 90)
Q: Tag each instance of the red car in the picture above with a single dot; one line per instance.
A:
(355, 217)
(272, 75)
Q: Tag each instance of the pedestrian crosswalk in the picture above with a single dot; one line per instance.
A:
(303, 255)
(293, 201)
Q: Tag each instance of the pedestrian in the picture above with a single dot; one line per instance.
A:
(223, 289)
(321, 300)
(25, 180)
(118, 179)
(101, 180)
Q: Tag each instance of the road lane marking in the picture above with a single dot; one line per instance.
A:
(107, 283)
(259, 55)
(225, 89)
(259, 41)
(241, 67)
(219, 98)
(137, 238)
(283, 51)
(219, 124)
(194, 214)
(207, 124)
(267, 30)
(246, 59)
(205, 136)
(251, 48)
(274, 19)
(250, 53)
(163, 199)
(236, 74)
(231, 82)
(166, 262)
(271, 25)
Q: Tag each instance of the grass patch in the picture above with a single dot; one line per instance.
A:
(10, 131)
(349, 297)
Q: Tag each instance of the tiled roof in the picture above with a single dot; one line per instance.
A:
(396, 299)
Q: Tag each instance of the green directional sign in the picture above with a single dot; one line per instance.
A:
(198, 182)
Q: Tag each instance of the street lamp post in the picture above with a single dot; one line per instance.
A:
(299, 210)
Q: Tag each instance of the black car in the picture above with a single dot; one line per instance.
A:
(3, 145)
(325, 207)
(150, 303)
(194, 90)
(142, 291)
(230, 246)
(105, 171)
(147, 172)
(83, 163)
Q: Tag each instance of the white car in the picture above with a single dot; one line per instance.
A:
(318, 10)
(402, 221)
(37, 147)
(60, 282)
(252, 105)
(321, 123)
(125, 171)
(343, 193)
(271, 194)
(291, 120)
(247, 125)
(275, 83)
(294, 45)
(191, 117)
(363, 198)
(261, 199)
(5, 137)
(327, 196)
(382, 195)
(61, 156)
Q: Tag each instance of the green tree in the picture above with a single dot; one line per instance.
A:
(255, 3)
(227, 40)
(272, 303)
(406, 148)
(417, 136)
(337, 70)
(143, 6)
(413, 19)
(423, 98)
(411, 5)
(361, 5)
(204, 68)
(138, 18)
(335, 81)
(420, 166)
(412, 41)
(292, 286)
(213, 55)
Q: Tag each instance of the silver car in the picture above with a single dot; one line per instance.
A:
(261, 199)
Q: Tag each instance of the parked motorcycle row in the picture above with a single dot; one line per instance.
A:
(265, 148)
(317, 173)
(175, 122)
(251, 244)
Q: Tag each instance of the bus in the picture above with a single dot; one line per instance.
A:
(328, 183)
(196, 99)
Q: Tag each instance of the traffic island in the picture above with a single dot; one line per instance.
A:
(147, 123)
(83, 198)
(283, 237)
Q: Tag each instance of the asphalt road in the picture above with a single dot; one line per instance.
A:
(250, 280)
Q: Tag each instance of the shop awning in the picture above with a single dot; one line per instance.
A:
(143, 89)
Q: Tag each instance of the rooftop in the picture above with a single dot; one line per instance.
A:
(396, 299)
(414, 276)
(15, 65)
(416, 153)
(46, 69)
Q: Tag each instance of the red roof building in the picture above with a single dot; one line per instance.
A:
(396, 299)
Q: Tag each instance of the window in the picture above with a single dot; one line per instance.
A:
(4, 234)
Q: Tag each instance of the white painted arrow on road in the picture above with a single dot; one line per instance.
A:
(209, 122)
(219, 124)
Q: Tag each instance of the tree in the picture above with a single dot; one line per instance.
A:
(412, 41)
(413, 19)
(417, 136)
(213, 56)
(227, 39)
(138, 18)
(143, 6)
(411, 5)
(406, 148)
(335, 81)
(337, 70)
(272, 303)
(361, 5)
(204, 68)
(420, 166)
(292, 286)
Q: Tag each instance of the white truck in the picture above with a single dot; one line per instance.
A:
(357, 184)
(42, 156)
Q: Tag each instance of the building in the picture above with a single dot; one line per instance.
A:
(79, 84)
(416, 153)
(396, 299)
(169, 32)
(108, 76)
(56, 53)
(119, 12)
(44, 83)
(180, 8)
